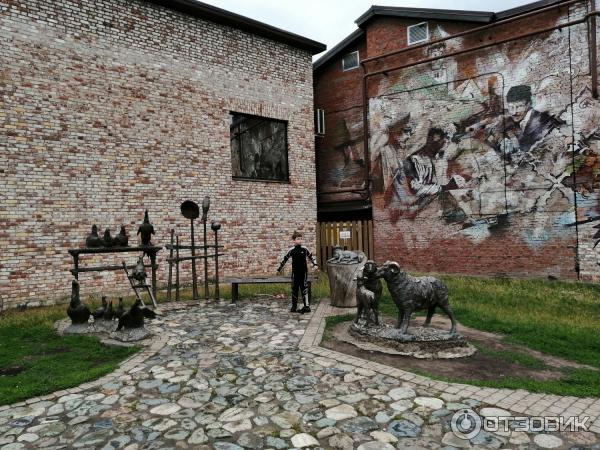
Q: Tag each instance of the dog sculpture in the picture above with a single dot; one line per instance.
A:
(415, 293)
(368, 293)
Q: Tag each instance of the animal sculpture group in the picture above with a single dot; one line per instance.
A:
(79, 313)
(145, 231)
(409, 293)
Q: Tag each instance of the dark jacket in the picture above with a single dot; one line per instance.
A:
(299, 255)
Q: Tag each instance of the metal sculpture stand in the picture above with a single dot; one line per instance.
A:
(77, 252)
(191, 211)
(140, 285)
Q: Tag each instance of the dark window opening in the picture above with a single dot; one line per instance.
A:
(258, 148)
(350, 61)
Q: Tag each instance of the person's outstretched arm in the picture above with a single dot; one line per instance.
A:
(284, 260)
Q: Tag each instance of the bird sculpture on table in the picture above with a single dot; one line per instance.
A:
(107, 240)
(139, 272)
(93, 240)
(77, 311)
(121, 239)
(134, 318)
(146, 230)
(120, 309)
(99, 313)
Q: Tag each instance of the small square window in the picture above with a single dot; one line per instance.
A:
(418, 33)
(350, 61)
(320, 121)
(258, 148)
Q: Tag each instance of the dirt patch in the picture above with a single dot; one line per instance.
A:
(483, 365)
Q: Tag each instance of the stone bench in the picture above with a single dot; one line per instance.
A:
(235, 282)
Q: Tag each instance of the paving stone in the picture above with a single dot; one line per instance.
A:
(494, 412)
(547, 441)
(454, 441)
(341, 412)
(276, 442)
(430, 402)
(404, 428)
(383, 436)
(165, 409)
(402, 393)
(302, 440)
(359, 424)
(376, 445)
(234, 427)
(231, 378)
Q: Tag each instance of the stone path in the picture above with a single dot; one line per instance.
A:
(250, 377)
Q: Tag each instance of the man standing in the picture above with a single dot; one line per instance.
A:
(527, 126)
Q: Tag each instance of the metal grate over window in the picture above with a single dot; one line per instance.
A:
(350, 61)
(418, 33)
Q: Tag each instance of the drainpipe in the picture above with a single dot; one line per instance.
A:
(365, 111)
(593, 50)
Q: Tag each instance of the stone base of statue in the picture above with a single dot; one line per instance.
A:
(104, 330)
(342, 283)
(419, 342)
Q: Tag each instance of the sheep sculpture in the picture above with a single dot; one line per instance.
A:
(415, 293)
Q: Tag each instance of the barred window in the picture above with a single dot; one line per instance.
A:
(418, 33)
(350, 61)
(258, 148)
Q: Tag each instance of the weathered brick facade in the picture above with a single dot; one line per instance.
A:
(109, 107)
(461, 180)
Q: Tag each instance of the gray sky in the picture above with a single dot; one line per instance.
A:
(329, 21)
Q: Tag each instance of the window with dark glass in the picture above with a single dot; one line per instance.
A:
(258, 148)
(350, 61)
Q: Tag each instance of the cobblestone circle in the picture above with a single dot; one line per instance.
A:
(250, 377)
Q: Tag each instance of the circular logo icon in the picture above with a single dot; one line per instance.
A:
(465, 424)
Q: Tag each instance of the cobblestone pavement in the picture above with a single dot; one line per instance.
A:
(250, 377)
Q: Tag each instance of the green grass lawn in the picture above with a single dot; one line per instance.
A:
(557, 318)
(34, 360)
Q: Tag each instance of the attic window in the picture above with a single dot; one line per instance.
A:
(350, 61)
(418, 33)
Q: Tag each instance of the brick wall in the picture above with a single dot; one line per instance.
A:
(339, 94)
(464, 183)
(109, 107)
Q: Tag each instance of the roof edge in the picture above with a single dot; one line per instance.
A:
(334, 51)
(426, 13)
(224, 17)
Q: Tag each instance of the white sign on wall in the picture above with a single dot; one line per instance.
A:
(344, 234)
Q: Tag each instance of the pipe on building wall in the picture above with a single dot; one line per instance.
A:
(474, 30)
(484, 46)
(367, 74)
(593, 50)
(589, 18)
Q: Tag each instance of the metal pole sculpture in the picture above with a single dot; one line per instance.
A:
(177, 269)
(170, 286)
(205, 208)
(216, 226)
(190, 210)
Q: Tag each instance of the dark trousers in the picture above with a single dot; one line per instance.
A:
(300, 283)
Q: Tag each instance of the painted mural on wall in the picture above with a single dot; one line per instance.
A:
(476, 150)
(341, 158)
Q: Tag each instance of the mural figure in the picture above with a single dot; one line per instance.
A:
(526, 126)
(386, 159)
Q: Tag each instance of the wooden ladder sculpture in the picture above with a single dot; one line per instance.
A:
(139, 276)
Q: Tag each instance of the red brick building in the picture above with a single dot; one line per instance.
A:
(476, 145)
(111, 107)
